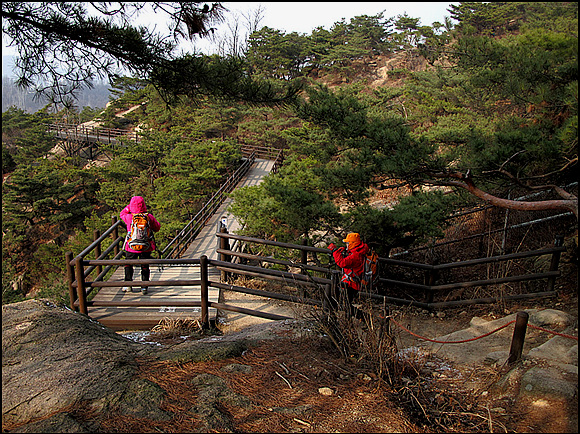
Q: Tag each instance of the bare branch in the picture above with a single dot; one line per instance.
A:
(464, 181)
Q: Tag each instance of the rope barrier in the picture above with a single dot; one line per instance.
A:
(478, 337)
(453, 342)
(553, 332)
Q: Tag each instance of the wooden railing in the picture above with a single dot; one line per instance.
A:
(75, 265)
(263, 152)
(384, 285)
(92, 134)
(322, 276)
(80, 285)
(432, 272)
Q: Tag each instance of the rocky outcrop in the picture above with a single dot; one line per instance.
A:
(52, 359)
(55, 361)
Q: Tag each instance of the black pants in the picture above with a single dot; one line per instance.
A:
(145, 272)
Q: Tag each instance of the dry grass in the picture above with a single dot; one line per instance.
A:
(173, 327)
(283, 388)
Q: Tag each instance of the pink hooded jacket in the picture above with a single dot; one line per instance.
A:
(136, 206)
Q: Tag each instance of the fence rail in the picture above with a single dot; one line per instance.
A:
(322, 274)
(327, 289)
(82, 303)
(384, 285)
(91, 134)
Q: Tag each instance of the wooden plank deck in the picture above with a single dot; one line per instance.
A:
(143, 318)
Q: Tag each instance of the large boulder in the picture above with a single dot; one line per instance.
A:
(53, 359)
(56, 361)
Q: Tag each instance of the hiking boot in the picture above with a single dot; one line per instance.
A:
(127, 289)
(144, 290)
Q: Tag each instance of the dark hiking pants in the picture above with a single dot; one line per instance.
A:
(145, 272)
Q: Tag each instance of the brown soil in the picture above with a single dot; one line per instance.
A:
(283, 388)
(289, 374)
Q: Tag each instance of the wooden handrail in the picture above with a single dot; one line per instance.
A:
(105, 234)
(82, 132)
(194, 225)
(274, 243)
(430, 287)
(81, 284)
(500, 258)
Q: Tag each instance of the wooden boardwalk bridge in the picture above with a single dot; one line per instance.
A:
(186, 281)
(83, 133)
(170, 302)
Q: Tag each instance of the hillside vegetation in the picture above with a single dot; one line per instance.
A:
(481, 108)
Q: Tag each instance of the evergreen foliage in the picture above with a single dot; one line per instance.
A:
(498, 102)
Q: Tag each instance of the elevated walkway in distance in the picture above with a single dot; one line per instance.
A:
(91, 134)
(141, 317)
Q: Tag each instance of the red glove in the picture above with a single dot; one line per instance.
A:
(331, 246)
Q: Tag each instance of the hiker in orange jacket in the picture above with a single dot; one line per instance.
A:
(351, 260)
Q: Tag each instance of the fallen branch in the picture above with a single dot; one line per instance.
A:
(287, 382)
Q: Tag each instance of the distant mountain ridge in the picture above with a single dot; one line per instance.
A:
(23, 99)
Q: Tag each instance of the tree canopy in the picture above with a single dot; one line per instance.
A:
(482, 111)
(63, 47)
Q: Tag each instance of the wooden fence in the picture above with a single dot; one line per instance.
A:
(322, 276)
(91, 134)
(319, 271)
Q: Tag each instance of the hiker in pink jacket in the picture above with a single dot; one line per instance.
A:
(137, 206)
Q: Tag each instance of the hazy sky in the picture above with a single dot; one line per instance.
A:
(303, 17)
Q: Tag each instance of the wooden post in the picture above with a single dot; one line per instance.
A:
(204, 292)
(115, 234)
(431, 278)
(554, 263)
(334, 288)
(96, 236)
(304, 261)
(386, 314)
(70, 277)
(225, 245)
(81, 291)
(304, 255)
(518, 337)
